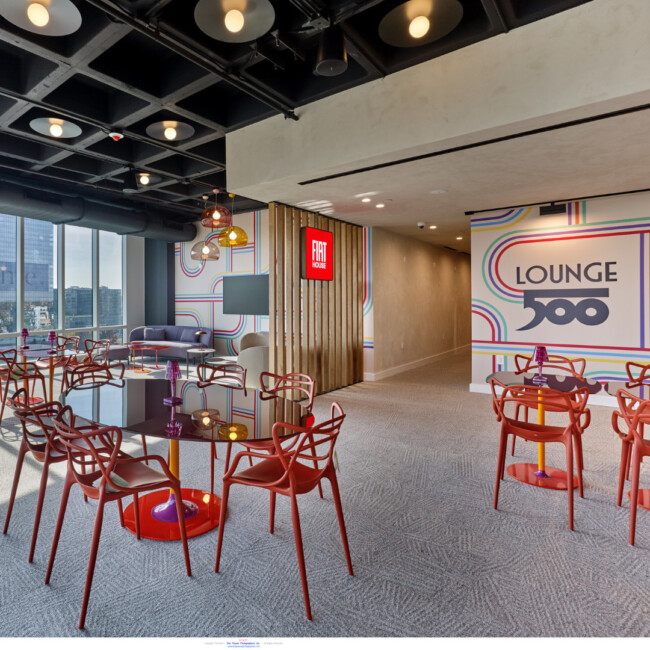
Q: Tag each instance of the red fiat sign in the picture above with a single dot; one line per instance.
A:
(317, 254)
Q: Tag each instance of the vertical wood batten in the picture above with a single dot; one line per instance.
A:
(273, 281)
(295, 290)
(280, 339)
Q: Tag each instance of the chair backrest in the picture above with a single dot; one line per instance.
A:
(574, 402)
(67, 343)
(17, 369)
(92, 451)
(93, 374)
(574, 367)
(636, 414)
(293, 381)
(39, 416)
(254, 340)
(96, 351)
(637, 374)
(226, 374)
(7, 359)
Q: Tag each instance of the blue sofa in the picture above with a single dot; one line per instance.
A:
(178, 337)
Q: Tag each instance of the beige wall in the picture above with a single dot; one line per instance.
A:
(422, 299)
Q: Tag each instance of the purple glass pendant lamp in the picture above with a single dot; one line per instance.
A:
(23, 335)
(540, 356)
(173, 373)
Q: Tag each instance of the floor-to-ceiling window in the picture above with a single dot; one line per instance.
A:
(64, 278)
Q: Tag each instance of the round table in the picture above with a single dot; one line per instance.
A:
(212, 414)
(40, 353)
(200, 351)
(144, 347)
(539, 474)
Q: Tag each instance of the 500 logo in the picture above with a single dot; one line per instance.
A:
(561, 311)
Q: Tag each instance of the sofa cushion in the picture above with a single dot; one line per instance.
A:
(188, 336)
(173, 332)
(154, 334)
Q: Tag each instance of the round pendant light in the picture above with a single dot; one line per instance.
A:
(233, 236)
(55, 127)
(234, 21)
(170, 131)
(205, 250)
(45, 17)
(145, 179)
(216, 216)
(418, 22)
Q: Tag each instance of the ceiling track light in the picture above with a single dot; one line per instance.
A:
(332, 57)
(44, 17)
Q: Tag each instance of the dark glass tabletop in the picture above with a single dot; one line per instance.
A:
(214, 413)
(564, 383)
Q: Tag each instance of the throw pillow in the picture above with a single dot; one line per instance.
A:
(154, 334)
(189, 336)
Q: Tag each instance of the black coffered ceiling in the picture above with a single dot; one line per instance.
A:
(135, 62)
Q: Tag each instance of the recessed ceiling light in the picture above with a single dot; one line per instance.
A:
(432, 227)
(458, 237)
(379, 205)
(438, 191)
(55, 127)
(44, 17)
(365, 200)
(170, 130)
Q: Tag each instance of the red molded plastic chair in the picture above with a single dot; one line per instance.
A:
(12, 371)
(225, 374)
(105, 473)
(636, 414)
(637, 374)
(284, 472)
(91, 374)
(37, 442)
(63, 344)
(574, 404)
(524, 363)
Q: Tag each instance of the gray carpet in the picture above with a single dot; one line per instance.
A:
(432, 558)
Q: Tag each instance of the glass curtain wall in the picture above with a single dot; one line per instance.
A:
(64, 278)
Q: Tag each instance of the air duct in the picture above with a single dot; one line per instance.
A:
(25, 199)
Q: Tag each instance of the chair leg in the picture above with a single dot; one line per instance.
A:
(120, 509)
(569, 478)
(313, 453)
(295, 517)
(622, 470)
(4, 400)
(271, 511)
(512, 448)
(501, 461)
(634, 494)
(579, 464)
(627, 462)
(136, 514)
(339, 513)
(222, 520)
(144, 448)
(227, 464)
(181, 525)
(39, 507)
(22, 450)
(97, 531)
(212, 454)
(67, 484)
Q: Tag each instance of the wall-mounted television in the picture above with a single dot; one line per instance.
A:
(246, 294)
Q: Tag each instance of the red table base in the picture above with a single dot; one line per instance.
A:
(206, 519)
(643, 499)
(142, 370)
(525, 472)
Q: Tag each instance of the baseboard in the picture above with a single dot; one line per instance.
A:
(396, 370)
(600, 399)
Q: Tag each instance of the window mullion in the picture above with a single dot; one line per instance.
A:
(20, 274)
(95, 266)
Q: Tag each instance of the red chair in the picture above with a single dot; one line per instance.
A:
(225, 374)
(37, 442)
(112, 476)
(91, 374)
(636, 414)
(12, 371)
(282, 472)
(574, 404)
(637, 374)
(524, 363)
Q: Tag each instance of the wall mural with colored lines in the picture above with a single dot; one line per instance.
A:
(577, 282)
(199, 284)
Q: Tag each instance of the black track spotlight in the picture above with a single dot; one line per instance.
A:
(130, 182)
(332, 58)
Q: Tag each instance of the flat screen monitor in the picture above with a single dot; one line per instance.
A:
(246, 294)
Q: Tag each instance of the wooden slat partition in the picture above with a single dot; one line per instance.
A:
(315, 327)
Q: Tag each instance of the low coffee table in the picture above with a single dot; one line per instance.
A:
(144, 347)
(195, 351)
